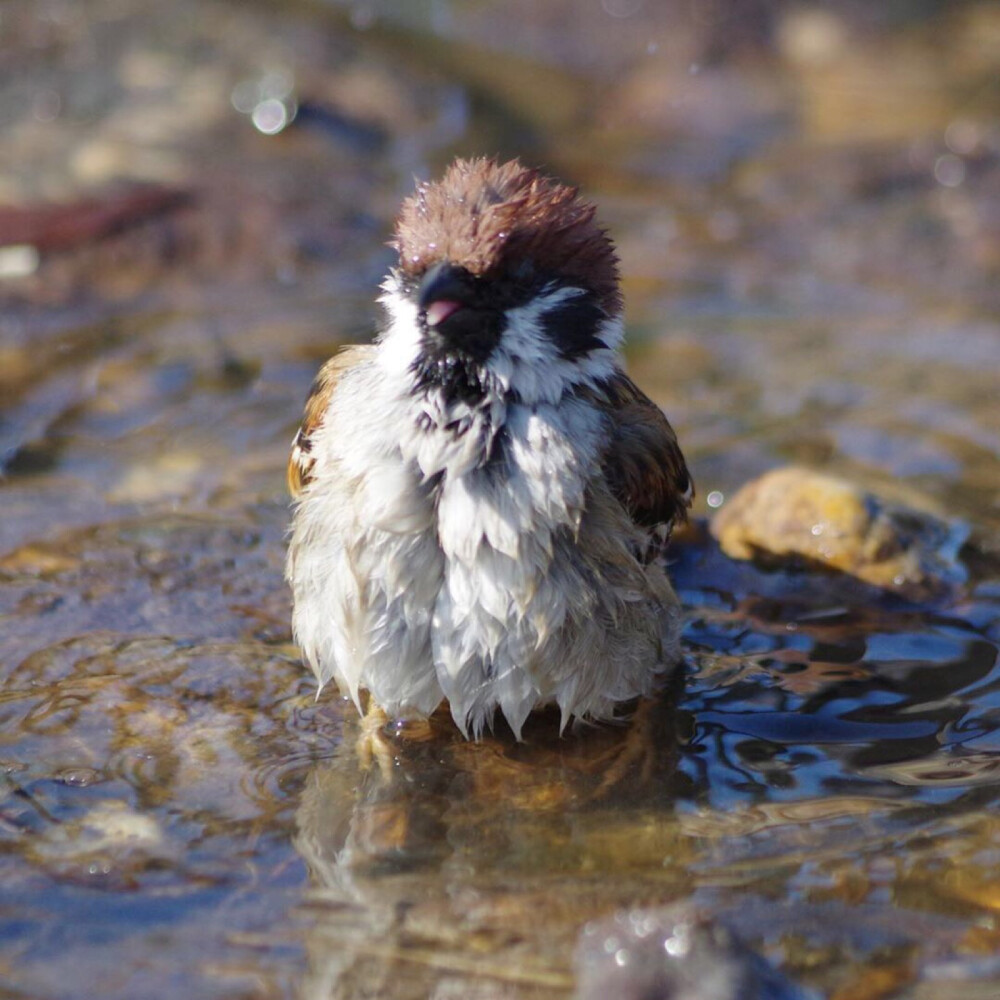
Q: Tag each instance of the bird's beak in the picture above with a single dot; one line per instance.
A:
(443, 291)
(439, 310)
(454, 314)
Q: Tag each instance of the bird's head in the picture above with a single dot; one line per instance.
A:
(507, 283)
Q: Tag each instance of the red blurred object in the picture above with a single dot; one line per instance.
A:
(63, 226)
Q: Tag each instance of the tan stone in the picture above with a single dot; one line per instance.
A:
(795, 514)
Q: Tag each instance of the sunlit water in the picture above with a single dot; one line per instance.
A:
(181, 817)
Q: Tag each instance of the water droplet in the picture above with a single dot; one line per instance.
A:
(271, 116)
(949, 170)
(244, 96)
(678, 944)
(962, 136)
(278, 84)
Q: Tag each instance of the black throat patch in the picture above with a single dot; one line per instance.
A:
(456, 375)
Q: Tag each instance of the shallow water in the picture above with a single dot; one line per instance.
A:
(808, 210)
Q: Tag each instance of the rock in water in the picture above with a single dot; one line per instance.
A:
(798, 517)
(674, 953)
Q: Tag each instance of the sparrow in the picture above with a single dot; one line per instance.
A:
(481, 495)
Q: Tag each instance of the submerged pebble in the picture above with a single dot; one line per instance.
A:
(675, 953)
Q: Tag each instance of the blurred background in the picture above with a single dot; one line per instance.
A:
(805, 197)
(195, 199)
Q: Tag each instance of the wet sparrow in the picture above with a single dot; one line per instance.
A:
(481, 494)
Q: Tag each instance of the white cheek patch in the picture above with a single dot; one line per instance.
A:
(525, 337)
(400, 346)
(528, 362)
(612, 332)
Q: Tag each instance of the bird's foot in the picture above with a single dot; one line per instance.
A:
(376, 742)
(641, 750)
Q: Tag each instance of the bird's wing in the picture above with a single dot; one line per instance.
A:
(301, 460)
(644, 465)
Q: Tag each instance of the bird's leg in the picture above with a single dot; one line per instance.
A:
(372, 743)
(376, 737)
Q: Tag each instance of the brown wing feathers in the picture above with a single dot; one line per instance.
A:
(301, 460)
(644, 465)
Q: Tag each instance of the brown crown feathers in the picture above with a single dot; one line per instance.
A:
(488, 217)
